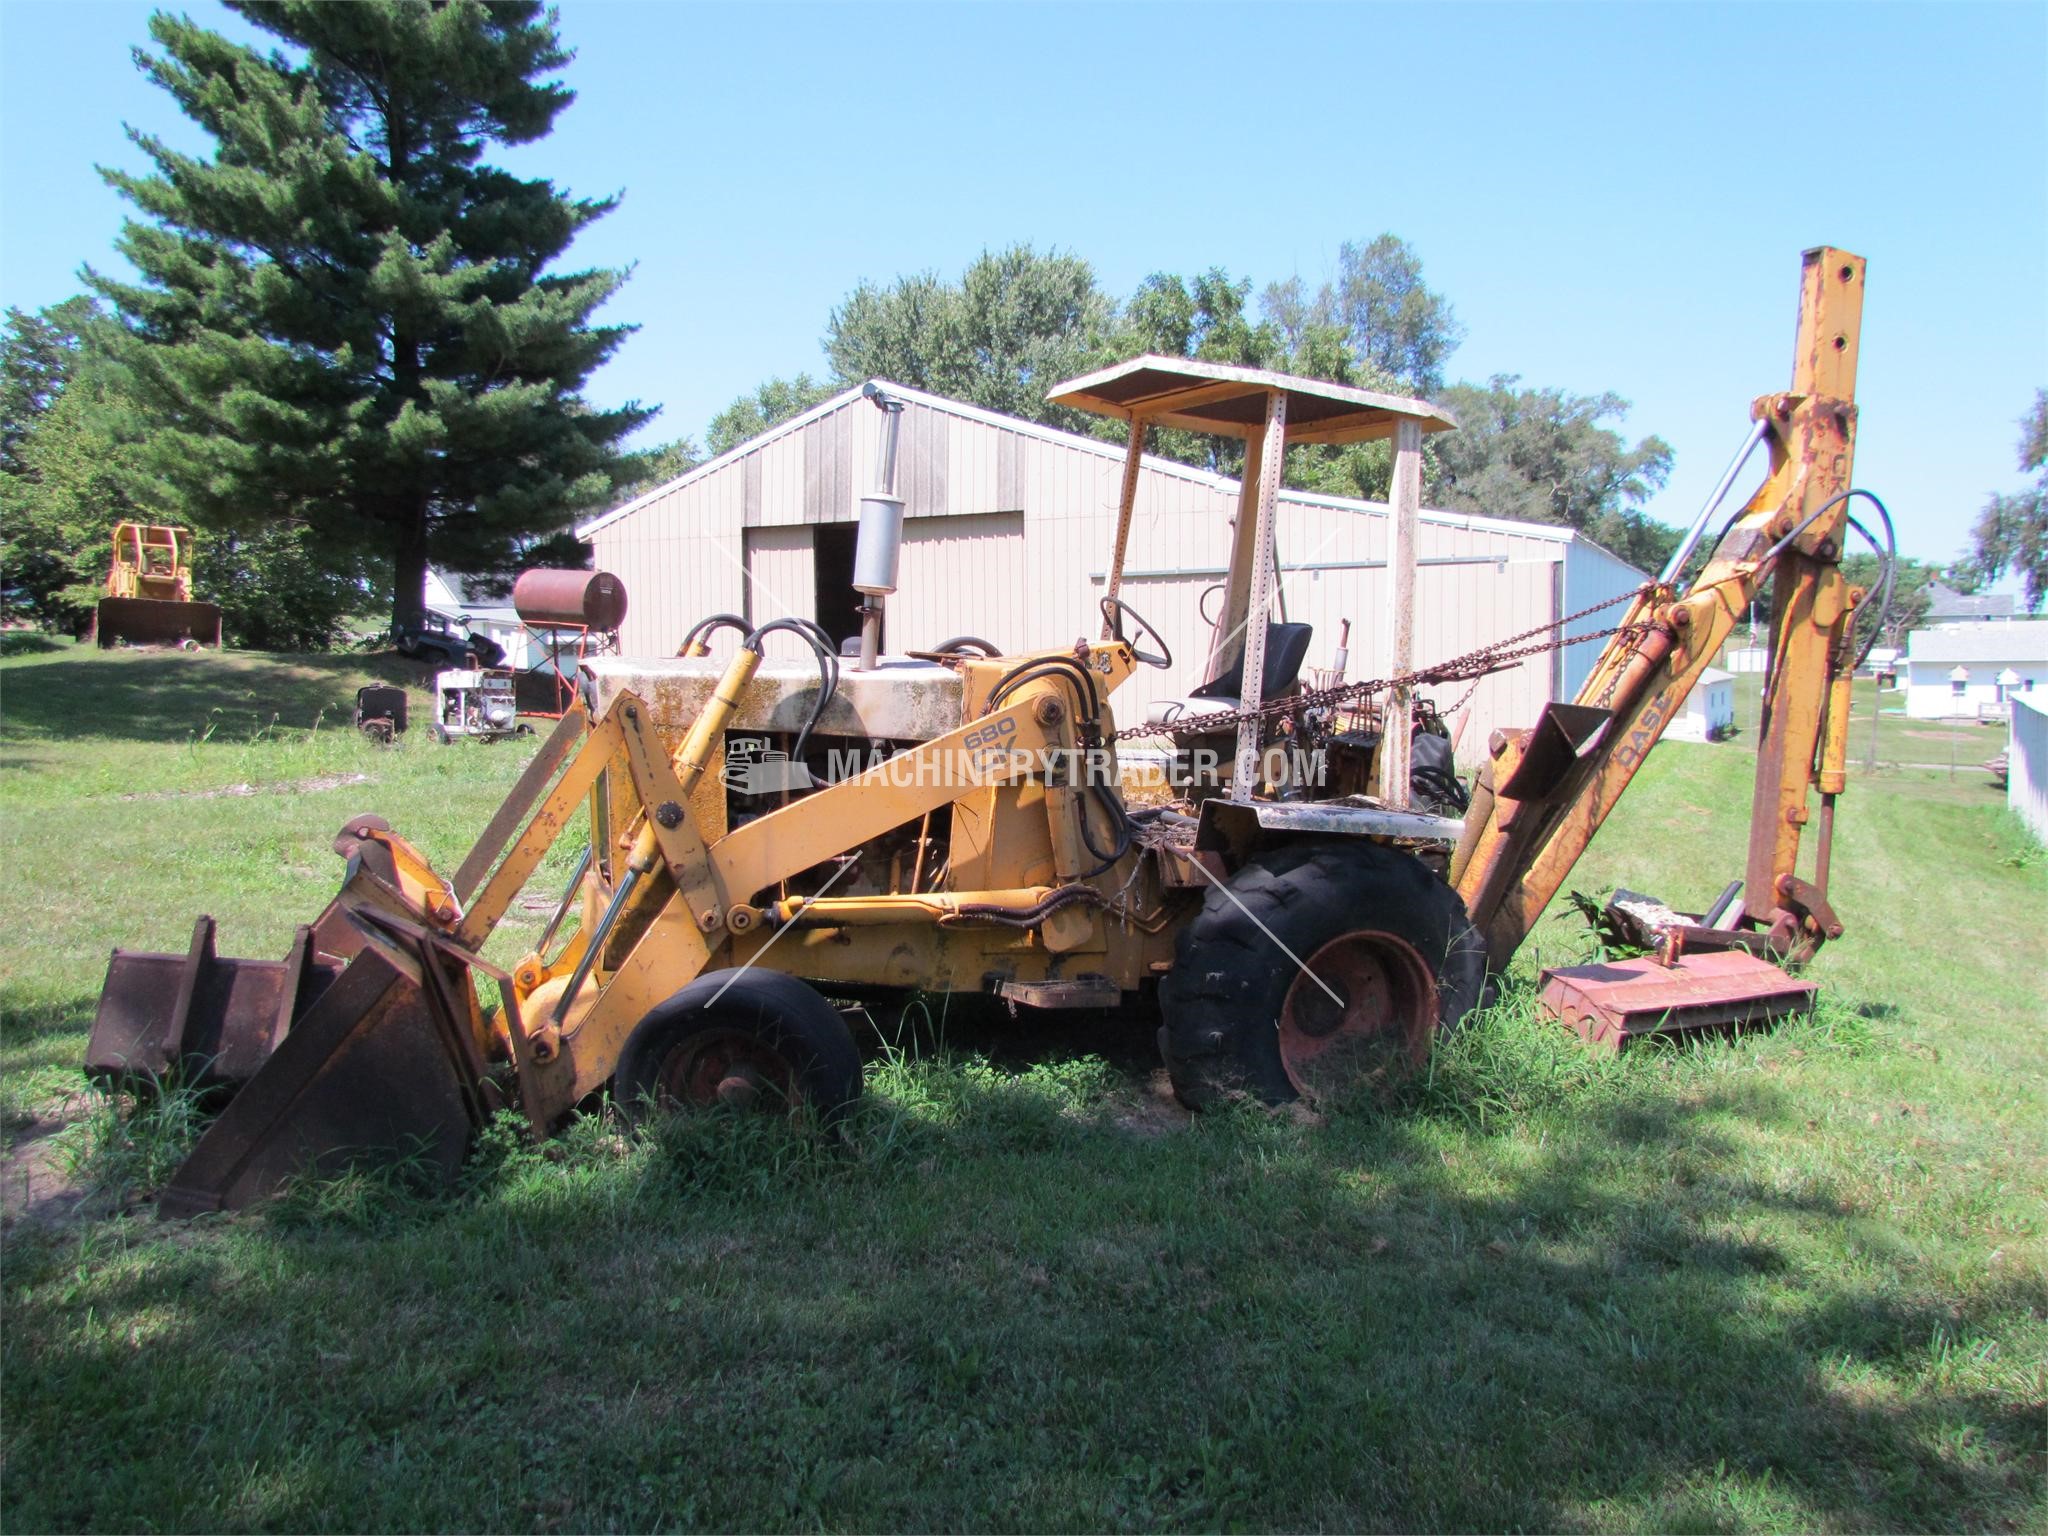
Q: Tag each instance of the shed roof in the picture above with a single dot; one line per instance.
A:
(2019, 640)
(1231, 402)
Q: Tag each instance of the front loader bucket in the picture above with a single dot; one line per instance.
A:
(155, 621)
(379, 1068)
(366, 1043)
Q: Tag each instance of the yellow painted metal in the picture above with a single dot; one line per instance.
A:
(709, 898)
(151, 560)
(1516, 854)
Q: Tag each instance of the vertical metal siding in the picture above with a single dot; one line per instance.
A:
(1009, 532)
(1591, 575)
(2026, 788)
(959, 577)
(781, 583)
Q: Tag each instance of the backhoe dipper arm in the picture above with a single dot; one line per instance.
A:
(1545, 793)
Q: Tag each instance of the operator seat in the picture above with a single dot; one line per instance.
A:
(1286, 650)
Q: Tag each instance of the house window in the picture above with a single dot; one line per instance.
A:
(1958, 687)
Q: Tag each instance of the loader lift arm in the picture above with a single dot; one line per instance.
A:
(1539, 801)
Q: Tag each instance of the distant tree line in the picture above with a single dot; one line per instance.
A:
(1018, 321)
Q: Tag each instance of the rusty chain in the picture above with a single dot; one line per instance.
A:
(1472, 666)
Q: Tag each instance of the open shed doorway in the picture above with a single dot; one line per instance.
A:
(837, 604)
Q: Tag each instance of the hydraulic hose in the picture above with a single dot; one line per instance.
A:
(694, 643)
(1890, 556)
(828, 670)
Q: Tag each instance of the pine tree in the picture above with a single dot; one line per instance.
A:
(346, 318)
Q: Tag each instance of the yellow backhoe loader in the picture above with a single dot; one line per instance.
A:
(763, 838)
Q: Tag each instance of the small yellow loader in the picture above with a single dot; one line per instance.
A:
(148, 597)
(761, 841)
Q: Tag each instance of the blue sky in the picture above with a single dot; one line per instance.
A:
(1614, 198)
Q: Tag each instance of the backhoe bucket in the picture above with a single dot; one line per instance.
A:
(155, 621)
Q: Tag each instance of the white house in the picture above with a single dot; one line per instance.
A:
(1008, 535)
(1969, 670)
(1709, 711)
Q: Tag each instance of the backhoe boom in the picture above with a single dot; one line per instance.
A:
(1547, 791)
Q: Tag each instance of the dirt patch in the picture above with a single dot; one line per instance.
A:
(235, 791)
(34, 1186)
(1157, 1112)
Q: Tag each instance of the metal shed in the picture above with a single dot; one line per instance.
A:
(1008, 534)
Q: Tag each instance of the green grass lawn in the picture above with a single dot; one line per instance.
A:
(1792, 1282)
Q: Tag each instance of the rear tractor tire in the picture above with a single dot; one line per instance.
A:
(750, 1039)
(1322, 971)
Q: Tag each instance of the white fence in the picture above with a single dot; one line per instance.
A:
(2026, 789)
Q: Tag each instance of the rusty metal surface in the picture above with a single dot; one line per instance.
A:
(369, 1073)
(1359, 1017)
(1564, 735)
(1093, 992)
(1618, 1002)
(570, 599)
(211, 1020)
(153, 621)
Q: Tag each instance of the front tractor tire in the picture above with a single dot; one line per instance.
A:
(750, 1039)
(1321, 971)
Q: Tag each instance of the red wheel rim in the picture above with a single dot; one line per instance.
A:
(1361, 1015)
(726, 1066)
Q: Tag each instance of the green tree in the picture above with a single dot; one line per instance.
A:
(276, 588)
(770, 405)
(60, 500)
(1393, 326)
(2011, 533)
(37, 353)
(1205, 317)
(1015, 324)
(1910, 596)
(1547, 456)
(346, 319)
(657, 466)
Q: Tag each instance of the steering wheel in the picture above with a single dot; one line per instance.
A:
(1115, 610)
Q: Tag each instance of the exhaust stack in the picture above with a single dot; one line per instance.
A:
(879, 549)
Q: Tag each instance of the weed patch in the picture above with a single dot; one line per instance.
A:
(127, 1145)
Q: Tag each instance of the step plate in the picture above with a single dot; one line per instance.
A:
(1613, 1004)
